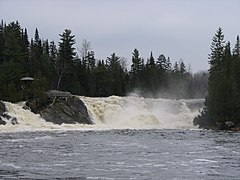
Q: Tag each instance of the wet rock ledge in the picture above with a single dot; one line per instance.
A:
(59, 110)
(2, 111)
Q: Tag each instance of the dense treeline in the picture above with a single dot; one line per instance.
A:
(58, 66)
(223, 101)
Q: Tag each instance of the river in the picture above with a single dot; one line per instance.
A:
(132, 138)
(120, 154)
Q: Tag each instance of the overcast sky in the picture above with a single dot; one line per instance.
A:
(180, 29)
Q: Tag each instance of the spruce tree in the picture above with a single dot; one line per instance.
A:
(137, 64)
(136, 73)
(222, 88)
(151, 78)
(163, 66)
(217, 52)
(66, 55)
(236, 50)
(235, 78)
(116, 75)
(216, 77)
(2, 42)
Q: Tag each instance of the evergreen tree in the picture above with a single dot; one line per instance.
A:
(214, 100)
(137, 63)
(62, 68)
(66, 55)
(36, 52)
(2, 42)
(116, 75)
(90, 60)
(136, 72)
(235, 78)
(164, 67)
(222, 103)
(101, 77)
(150, 62)
(236, 50)
(217, 52)
(10, 75)
(13, 64)
(25, 51)
(151, 77)
(163, 63)
(13, 43)
(53, 54)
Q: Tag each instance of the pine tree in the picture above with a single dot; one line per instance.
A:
(90, 60)
(137, 64)
(163, 63)
(36, 53)
(25, 51)
(236, 50)
(150, 62)
(219, 106)
(164, 68)
(214, 100)
(13, 43)
(151, 76)
(235, 78)
(101, 77)
(136, 73)
(217, 51)
(116, 75)
(12, 68)
(66, 54)
(2, 41)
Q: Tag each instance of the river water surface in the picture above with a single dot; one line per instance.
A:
(120, 154)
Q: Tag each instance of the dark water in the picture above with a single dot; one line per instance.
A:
(120, 154)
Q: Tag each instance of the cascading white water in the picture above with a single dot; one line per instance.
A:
(142, 113)
(28, 121)
(115, 113)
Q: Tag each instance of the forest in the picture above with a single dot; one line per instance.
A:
(222, 104)
(62, 66)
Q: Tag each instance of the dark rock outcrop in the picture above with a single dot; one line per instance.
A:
(4, 115)
(2, 122)
(2, 110)
(13, 120)
(228, 125)
(69, 111)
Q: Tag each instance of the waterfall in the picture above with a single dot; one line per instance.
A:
(114, 113)
(141, 113)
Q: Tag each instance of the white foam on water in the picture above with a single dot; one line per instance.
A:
(114, 113)
(141, 113)
(28, 121)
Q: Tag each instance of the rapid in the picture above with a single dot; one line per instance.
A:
(132, 138)
(115, 113)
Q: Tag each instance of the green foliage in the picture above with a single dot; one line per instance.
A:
(137, 70)
(59, 67)
(10, 74)
(222, 102)
(64, 63)
(38, 97)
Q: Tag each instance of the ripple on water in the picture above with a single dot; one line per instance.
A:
(120, 154)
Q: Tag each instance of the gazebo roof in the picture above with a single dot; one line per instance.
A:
(27, 79)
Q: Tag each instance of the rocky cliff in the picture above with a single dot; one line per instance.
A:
(69, 111)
